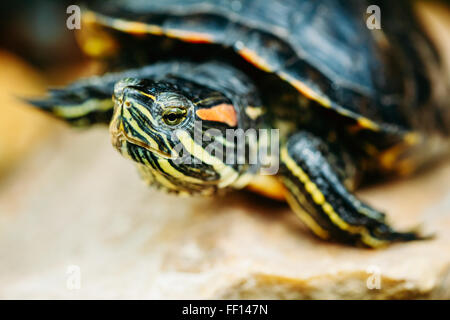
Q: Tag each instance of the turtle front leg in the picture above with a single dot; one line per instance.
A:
(316, 193)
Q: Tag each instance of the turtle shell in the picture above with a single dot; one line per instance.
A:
(384, 80)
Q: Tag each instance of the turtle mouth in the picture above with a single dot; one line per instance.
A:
(120, 135)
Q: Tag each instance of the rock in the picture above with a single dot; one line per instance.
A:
(76, 205)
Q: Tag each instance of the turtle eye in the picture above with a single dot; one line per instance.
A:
(174, 116)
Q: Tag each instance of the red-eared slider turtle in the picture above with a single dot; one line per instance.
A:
(350, 102)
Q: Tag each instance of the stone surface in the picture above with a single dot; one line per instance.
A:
(77, 202)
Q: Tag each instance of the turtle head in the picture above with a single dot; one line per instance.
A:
(158, 124)
(146, 113)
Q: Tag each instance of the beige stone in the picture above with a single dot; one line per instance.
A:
(77, 202)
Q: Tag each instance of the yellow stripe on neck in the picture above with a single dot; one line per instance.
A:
(227, 174)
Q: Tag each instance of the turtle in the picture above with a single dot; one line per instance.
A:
(192, 90)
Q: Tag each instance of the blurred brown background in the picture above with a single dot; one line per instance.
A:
(66, 198)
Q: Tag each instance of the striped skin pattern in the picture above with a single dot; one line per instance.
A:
(174, 155)
(139, 98)
(320, 199)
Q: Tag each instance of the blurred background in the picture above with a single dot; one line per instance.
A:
(41, 236)
(36, 51)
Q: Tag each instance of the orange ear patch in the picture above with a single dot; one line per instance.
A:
(224, 113)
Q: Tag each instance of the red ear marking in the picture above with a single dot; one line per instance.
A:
(221, 113)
